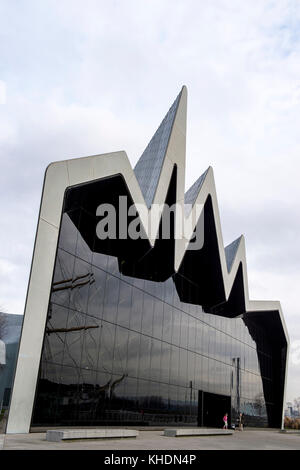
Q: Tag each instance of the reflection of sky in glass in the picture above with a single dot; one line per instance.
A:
(134, 340)
(148, 168)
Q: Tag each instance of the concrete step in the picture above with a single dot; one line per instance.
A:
(55, 435)
(178, 432)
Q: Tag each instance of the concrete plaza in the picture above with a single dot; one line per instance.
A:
(249, 439)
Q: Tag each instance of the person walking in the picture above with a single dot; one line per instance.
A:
(241, 421)
(225, 420)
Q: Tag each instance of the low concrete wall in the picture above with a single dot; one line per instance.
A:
(197, 432)
(59, 435)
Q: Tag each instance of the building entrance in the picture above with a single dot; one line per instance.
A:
(211, 409)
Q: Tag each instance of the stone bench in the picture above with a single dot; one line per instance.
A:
(57, 435)
(197, 432)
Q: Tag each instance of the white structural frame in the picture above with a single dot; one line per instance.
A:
(64, 174)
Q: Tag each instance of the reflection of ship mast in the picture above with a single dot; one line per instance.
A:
(98, 394)
(68, 330)
(69, 284)
(115, 383)
(73, 283)
(104, 387)
(95, 394)
(108, 387)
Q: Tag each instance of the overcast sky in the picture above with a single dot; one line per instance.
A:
(87, 77)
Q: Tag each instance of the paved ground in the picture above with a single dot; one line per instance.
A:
(154, 440)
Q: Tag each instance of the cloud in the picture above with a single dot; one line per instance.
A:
(97, 77)
(2, 92)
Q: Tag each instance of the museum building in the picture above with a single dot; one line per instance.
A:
(144, 331)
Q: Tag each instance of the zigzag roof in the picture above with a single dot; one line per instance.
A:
(148, 184)
(215, 276)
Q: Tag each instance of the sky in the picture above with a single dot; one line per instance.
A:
(81, 78)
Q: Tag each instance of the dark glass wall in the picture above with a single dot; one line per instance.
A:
(122, 350)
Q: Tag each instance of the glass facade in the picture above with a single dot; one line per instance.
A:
(124, 350)
(148, 167)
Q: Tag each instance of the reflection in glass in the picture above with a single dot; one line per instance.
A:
(123, 350)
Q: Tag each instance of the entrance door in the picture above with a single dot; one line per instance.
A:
(211, 409)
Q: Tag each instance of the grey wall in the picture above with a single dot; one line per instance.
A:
(10, 336)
